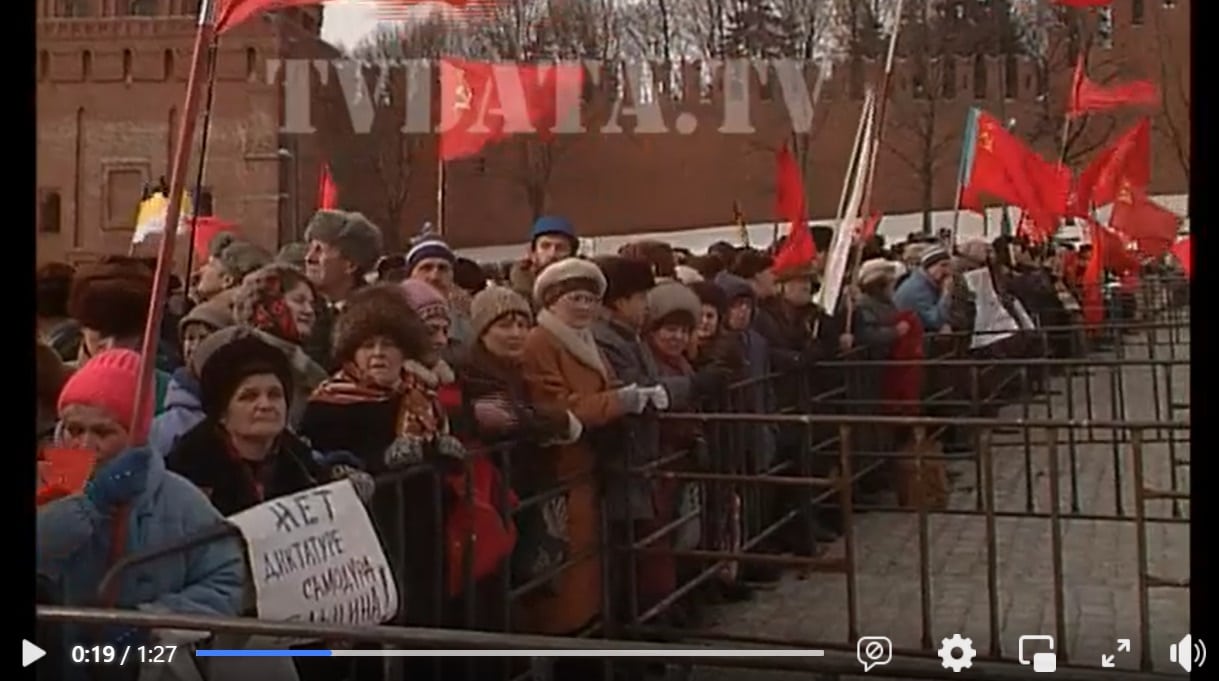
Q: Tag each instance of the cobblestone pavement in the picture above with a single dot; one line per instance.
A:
(1100, 566)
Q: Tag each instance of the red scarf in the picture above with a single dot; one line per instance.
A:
(904, 383)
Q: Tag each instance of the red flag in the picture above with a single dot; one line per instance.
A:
(1183, 252)
(798, 250)
(230, 13)
(1005, 168)
(481, 102)
(1089, 97)
(1127, 161)
(902, 384)
(206, 229)
(1152, 227)
(327, 191)
(1093, 298)
(1082, 4)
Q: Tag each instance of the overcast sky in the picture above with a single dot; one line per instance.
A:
(346, 21)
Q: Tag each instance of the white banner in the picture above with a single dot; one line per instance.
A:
(315, 557)
(838, 259)
(992, 321)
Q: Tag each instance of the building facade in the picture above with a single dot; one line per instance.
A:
(110, 85)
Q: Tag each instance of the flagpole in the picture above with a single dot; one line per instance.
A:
(177, 182)
(212, 51)
(439, 195)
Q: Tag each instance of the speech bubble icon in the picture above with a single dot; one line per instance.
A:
(873, 651)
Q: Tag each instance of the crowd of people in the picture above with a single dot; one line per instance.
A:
(333, 360)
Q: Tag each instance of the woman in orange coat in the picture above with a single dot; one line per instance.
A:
(564, 368)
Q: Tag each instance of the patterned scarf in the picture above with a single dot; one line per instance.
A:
(349, 385)
(419, 413)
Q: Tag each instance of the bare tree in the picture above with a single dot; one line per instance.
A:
(1054, 37)
(914, 123)
(1172, 122)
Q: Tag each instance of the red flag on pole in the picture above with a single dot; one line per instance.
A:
(798, 249)
(230, 13)
(327, 191)
(1183, 252)
(869, 226)
(1152, 227)
(1127, 161)
(482, 102)
(1089, 97)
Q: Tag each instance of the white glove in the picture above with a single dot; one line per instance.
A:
(658, 396)
(633, 399)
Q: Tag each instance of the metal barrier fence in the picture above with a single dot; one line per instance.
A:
(1046, 443)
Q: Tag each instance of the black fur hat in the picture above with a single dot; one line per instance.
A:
(379, 310)
(111, 296)
(231, 355)
(624, 277)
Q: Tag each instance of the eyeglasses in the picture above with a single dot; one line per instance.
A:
(582, 299)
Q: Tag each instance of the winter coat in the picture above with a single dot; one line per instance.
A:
(921, 296)
(633, 440)
(563, 370)
(183, 411)
(204, 456)
(74, 552)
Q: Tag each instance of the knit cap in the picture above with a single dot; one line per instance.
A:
(552, 225)
(358, 239)
(429, 249)
(933, 256)
(492, 303)
(874, 270)
(108, 382)
(425, 300)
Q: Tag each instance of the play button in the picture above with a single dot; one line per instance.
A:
(30, 653)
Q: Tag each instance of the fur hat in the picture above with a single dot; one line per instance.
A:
(625, 277)
(53, 283)
(219, 242)
(227, 357)
(216, 314)
(293, 255)
(380, 310)
(874, 270)
(358, 239)
(566, 275)
(111, 297)
(657, 254)
(710, 294)
(425, 300)
(749, 263)
(494, 302)
(240, 258)
(672, 302)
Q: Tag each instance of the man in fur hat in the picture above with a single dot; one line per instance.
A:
(226, 267)
(342, 248)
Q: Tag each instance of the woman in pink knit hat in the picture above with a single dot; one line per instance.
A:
(131, 503)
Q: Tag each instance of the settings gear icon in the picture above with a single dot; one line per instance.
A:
(957, 653)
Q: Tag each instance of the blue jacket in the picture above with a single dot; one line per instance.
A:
(74, 551)
(920, 295)
(183, 410)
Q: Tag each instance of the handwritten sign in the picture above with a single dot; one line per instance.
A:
(993, 322)
(67, 469)
(315, 557)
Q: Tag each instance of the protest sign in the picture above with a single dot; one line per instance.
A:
(315, 557)
(993, 322)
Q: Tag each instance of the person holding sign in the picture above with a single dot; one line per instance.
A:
(242, 453)
(131, 503)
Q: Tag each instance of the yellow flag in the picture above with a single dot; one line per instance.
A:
(150, 216)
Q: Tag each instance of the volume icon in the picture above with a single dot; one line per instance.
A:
(1188, 653)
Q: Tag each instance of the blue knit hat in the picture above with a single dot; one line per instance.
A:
(428, 249)
(552, 224)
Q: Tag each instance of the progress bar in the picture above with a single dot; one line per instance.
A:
(692, 652)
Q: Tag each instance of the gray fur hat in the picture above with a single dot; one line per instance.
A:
(239, 258)
(357, 238)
